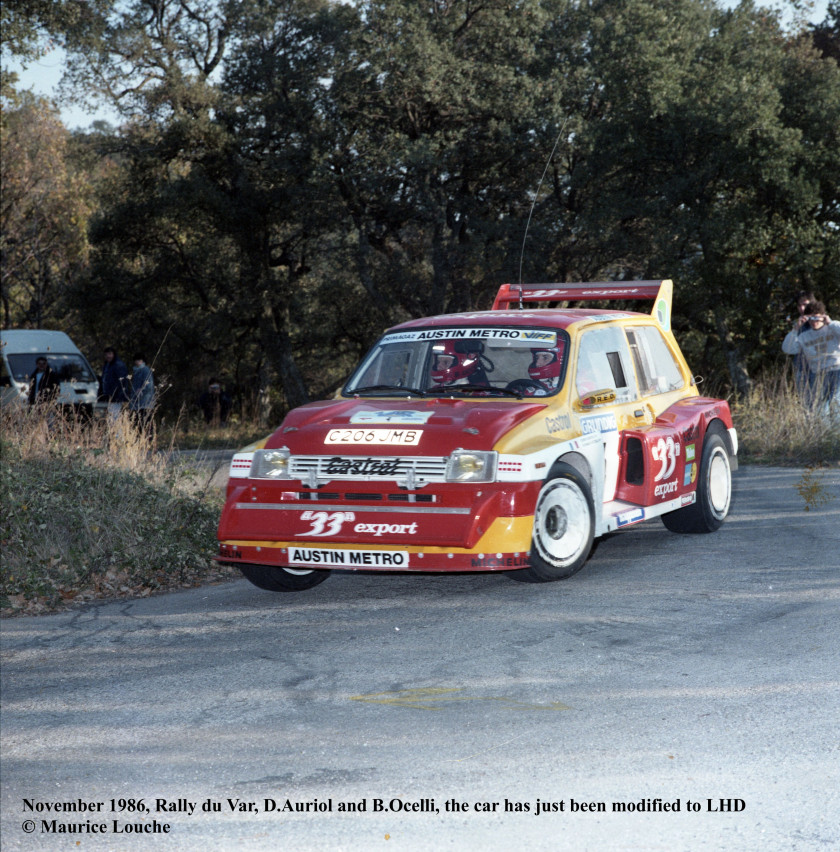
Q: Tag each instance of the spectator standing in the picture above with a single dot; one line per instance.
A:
(215, 404)
(114, 386)
(44, 384)
(817, 338)
(141, 404)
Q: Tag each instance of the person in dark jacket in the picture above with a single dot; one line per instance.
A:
(114, 386)
(45, 384)
(215, 404)
(802, 379)
(141, 405)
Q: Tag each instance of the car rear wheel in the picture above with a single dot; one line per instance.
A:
(564, 528)
(714, 491)
(275, 579)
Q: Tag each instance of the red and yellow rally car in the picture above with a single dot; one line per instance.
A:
(501, 440)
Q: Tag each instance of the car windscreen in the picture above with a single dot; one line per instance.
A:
(69, 368)
(505, 360)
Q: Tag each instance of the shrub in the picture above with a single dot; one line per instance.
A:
(91, 511)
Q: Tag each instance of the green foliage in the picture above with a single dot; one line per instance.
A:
(696, 159)
(294, 176)
(431, 153)
(30, 25)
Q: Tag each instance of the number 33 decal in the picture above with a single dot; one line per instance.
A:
(665, 451)
(322, 523)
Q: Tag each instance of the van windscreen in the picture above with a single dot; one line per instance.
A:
(69, 368)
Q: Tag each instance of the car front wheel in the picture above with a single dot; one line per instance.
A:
(282, 579)
(564, 527)
(714, 491)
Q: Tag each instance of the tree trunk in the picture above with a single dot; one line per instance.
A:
(440, 271)
(263, 400)
(741, 380)
(277, 344)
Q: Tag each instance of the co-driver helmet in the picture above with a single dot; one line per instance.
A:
(545, 367)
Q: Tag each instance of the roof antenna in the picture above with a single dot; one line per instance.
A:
(534, 202)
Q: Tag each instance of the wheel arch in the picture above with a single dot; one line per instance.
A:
(564, 526)
(717, 426)
(587, 458)
(579, 462)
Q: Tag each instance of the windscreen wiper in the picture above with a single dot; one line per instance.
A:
(379, 388)
(470, 388)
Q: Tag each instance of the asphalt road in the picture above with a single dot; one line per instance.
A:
(413, 713)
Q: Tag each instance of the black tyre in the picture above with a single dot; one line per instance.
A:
(282, 579)
(714, 490)
(564, 527)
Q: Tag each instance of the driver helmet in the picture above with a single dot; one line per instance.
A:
(545, 367)
(452, 361)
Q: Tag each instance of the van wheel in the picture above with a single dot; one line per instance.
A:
(564, 528)
(275, 579)
(714, 491)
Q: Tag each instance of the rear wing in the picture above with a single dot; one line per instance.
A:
(516, 295)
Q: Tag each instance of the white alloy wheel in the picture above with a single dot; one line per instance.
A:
(564, 527)
(562, 523)
(719, 483)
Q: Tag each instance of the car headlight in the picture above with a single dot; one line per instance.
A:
(471, 466)
(271, 464)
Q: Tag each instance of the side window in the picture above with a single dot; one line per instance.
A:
(656, 367)
(390, 366)
(604, 362)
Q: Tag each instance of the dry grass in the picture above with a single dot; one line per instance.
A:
(193, 433)
(775, 427)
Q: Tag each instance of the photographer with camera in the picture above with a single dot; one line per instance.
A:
(817, 338)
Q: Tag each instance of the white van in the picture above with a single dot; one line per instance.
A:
(18, 350)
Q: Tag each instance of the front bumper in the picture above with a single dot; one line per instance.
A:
(374, 526)
(503, 547)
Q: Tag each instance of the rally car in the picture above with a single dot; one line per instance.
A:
(501, 440)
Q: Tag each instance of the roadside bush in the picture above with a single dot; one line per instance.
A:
(91, 512)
